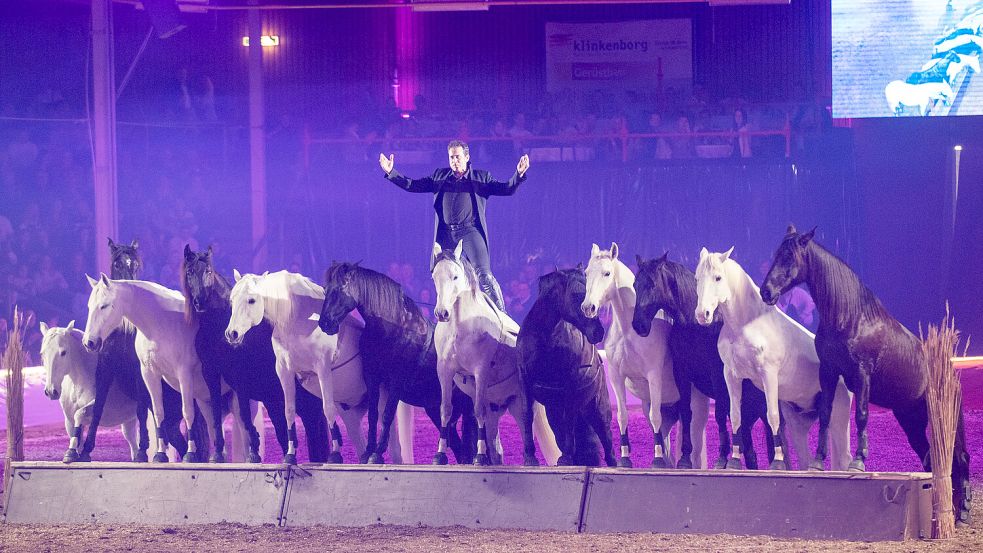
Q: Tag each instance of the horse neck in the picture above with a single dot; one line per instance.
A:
(541, 319)
(836, 289)
(745, 302)
(292, 309)
(84, 364)
(682, 305)
(143, 306)
(623, 299)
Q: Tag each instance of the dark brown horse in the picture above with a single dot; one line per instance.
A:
(879, 359)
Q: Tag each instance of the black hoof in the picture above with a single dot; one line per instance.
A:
(190, 457)
(684, 463)
(624, 462)
(856, 466)
(217, 457)
(482, 460)
(440, 458)
(334, 458)
(777, 465)
(965, 519)
(84, 458)
(720, 464)
(564, 461)
(733, 464)
(659, 463)
(530, 461)
(290, 459)
(817, 465)
(160, 457)
(254, 458)
(140, 457)
(364, 458)
(376, 459)
(71, 456)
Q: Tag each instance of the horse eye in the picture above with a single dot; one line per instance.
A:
(607, 273)
(63, 353)
(455, 277)
(717, 278)
(251, 301)
(103, 306)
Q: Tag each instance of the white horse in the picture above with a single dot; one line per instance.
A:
(778, 355)
(165, 345)
(900, 94)
(643, 365)
(329, 367)
(954, 67)
(475, 343)
(71, 379)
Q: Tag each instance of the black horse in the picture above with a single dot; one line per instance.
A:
(561, 369)
(249, 369)
(879, 359)
(118, 363)
(665, 285)
(398, 353)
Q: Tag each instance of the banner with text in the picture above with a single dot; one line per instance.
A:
(630, 55)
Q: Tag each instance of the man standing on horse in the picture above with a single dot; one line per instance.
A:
(460, 193)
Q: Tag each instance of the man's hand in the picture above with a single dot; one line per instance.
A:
(387, 163)
(522, 167)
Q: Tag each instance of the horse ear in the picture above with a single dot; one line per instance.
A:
(580, 266)
(614, 250)
(265, 273)
(104, 279)
(210, 251)
(236, 275)
(665, 256)
(726, 255)
(436, 249)
(807, 237)
(135, 244)
(70, 326)
(639, 260)
(459, 249)
(594, 250)
(790, 229)
(111, 244)
(44, 328)
(703, 253)
(92, 281)
(188, 254)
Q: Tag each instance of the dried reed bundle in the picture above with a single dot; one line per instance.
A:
(13, 365)
(944, 406)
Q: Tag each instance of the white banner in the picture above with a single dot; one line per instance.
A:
(650, 55)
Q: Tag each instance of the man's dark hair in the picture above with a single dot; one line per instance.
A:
(459, 144)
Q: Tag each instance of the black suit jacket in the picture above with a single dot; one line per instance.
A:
(479, 183)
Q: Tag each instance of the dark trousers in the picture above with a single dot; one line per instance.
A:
(474, 248)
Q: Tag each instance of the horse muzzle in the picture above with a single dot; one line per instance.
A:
(589, 309)
(704, 316)
(442, 315)
(768, 296)
(52, 393)
(233, 337)
(94, 344)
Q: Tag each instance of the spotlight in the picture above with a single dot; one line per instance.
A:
(957, 148)
(265, 40)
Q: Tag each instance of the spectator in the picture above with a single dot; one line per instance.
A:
(682, 146)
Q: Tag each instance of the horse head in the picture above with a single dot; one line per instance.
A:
(451, 279)
(338, 298)
(60, 351)
(198, 279)
(789, 267)
(126, 260)
(104, 313)
(712, 284)
(564, 291)
(602, 278)
(656, 288)
(248, 307)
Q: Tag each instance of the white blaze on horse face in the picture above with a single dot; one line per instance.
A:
(712, 288)
(600, 280)
(248, 308)
(103, 317)
(450, 281)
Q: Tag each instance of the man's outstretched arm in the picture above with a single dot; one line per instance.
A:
(426, 184)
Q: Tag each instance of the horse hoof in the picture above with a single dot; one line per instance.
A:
(140, 457)
(290, 459)
(857, 466)
(684, 463)
(376, 459)
(84, 458)
(564, 461)
(659, 463)
(482, 460)
(364, 458)
(254, 458)
(624, 462)
(610, 461)
(720, 464)
(777, 465)
(71, 456)
(335, 458)
(217, 457)
(190, 457)
(530, 461)
(733, 464)
(160, 457)
(440, 458)
(816, 465)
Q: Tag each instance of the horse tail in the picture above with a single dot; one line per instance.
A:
(405, 426)
(544, 434)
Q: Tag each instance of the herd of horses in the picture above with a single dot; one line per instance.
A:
(359, 345)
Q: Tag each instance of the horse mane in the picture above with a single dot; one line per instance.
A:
(375, 293)
(684, 284)
(840, 295)
(221, 283)
(281, 302)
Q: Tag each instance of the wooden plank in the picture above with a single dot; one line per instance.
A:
(476, 497)
(148, 494)
(825, 505)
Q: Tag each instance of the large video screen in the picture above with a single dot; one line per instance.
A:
(901, 58)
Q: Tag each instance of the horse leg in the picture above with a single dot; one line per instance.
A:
(774, 418)
(188, 414)
(289, 385)
(316, 429)
(839, 436)
(685, 409)
(481, 413)
(71, 454)
(522, 411)
(214, 382)
(387, 422)
(618, 383)
(735, 389)
(595, 418)
(962, 491)
(700, 408)
(156, 390)
(721, 408)
(660, 454)
(828, 381)
(563, 423)
(352, 418)
(251, 437)
(862, 413)
(131, 435)
(492, 419)
(103, 381)
(796, 431)
(372, 389)
(326, 382)
(144, 434)
(445, 375)
(274, 408)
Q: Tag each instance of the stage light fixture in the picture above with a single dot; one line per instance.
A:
(164, 16)
(265, 40)
(957, 148)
